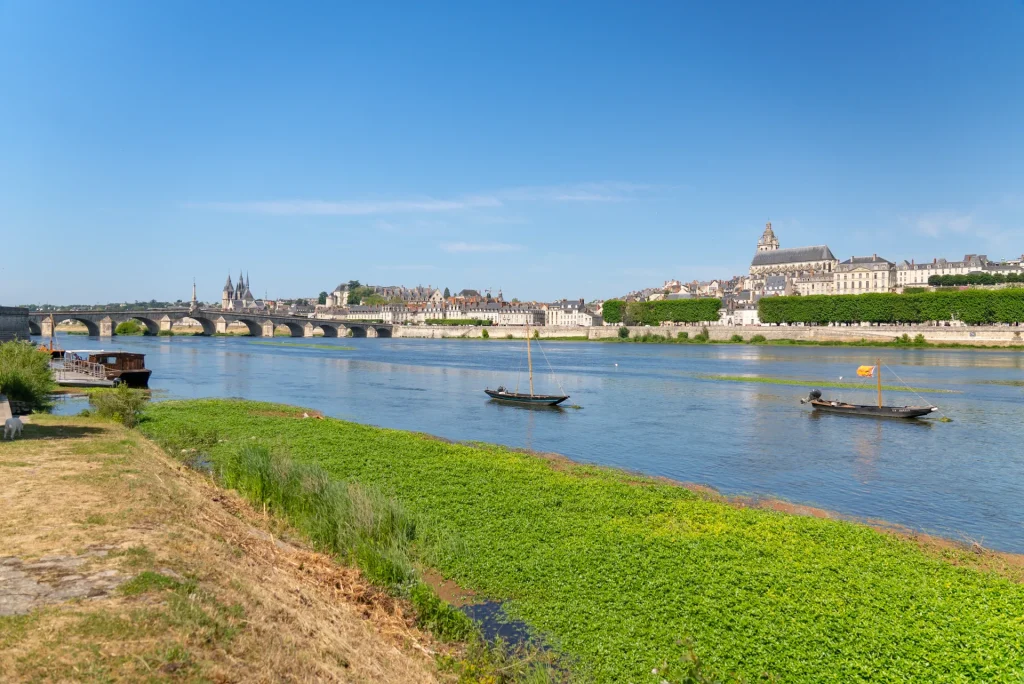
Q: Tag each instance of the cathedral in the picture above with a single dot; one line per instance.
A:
(238, 297)
(791, 262)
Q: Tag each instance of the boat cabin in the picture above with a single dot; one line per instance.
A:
(120, 361)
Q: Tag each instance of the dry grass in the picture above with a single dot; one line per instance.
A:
(209, 589)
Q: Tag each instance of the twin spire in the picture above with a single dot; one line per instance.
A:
(238, 291)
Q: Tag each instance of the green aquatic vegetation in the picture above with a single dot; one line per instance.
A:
(625, 573)
(306, 345)
(820, 383)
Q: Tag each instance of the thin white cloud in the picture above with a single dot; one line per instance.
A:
(462, 247)
(406, 267)
(350, 208)
(575, 192)
(938, 223)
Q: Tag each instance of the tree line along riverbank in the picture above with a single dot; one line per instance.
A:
(627, 575)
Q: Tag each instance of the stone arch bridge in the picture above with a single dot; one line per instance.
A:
(213, 321)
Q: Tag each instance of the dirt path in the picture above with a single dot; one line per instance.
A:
(120, 564)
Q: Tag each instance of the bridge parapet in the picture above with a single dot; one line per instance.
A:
(104, 323)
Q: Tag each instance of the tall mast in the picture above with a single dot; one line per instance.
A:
(529, 358)
(878, 372)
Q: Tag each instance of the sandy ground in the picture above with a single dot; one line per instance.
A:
(117, 563)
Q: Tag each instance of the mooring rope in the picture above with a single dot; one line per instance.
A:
(550, 368)
(911, 389)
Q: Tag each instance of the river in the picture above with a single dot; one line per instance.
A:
(646, 408)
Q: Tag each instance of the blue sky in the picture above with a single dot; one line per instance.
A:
(547, 149)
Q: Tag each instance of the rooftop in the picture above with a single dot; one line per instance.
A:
(791, 255)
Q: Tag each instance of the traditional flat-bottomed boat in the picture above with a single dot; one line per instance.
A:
(875, 411)
(522, 398)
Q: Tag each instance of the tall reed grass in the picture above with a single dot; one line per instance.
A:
(359, 524)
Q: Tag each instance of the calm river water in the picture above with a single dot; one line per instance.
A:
(645, 408)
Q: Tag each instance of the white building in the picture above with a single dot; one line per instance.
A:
(858, 275)
(913, 274)
(570, 313)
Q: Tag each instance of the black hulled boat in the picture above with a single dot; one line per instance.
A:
(874, 411)
(522, 398)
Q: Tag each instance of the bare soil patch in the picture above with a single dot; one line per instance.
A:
(119, 564)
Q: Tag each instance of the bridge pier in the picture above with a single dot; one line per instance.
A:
(307, 330)
(371, 331)
(165, 324)
(46, 328)
(106, 327)
(268, 328)
(221, 326)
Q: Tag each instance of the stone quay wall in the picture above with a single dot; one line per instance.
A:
(496, 332)
(997, 336)
(13, 323)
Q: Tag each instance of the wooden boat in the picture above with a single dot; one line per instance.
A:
(878, 411)
(502, 394)
(118, 367)
(521, 398)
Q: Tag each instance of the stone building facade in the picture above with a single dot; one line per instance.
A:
(858, 275)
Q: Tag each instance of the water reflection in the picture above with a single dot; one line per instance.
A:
(646, 409)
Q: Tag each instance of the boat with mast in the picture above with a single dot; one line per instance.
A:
(879, 411)
(531, 399)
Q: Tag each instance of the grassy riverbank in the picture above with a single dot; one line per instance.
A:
(623, 572)
(120, 565)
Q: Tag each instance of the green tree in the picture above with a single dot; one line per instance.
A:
(25, 374)
(447, 293)
(322, 299)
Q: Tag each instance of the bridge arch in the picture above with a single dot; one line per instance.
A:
(295, 329)
(382, 331)
(91, 327)
(254, 326)
(358, 330)
(209, 327)
(328, 329)
(152, 327)
(34, 328)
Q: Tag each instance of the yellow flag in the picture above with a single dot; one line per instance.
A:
(866, 371)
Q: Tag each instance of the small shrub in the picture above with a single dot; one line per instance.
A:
(758, 339)
(919, 339)
(623, 332)
(484, 334)
(508, 337)
(736, 338)
(685, 336)
(122, 404)
(129, 327)
(445, 621)
(536, 334)
(25, 374)
(702, 336)
(165, 333)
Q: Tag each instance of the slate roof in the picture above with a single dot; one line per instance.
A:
(867, 260)
(791, 255)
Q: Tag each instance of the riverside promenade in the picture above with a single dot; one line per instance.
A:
(996, 336)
